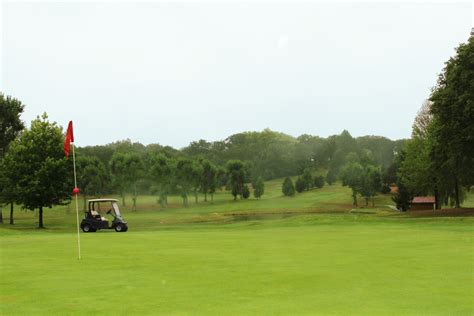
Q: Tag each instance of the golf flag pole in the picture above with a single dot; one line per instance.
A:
(68, 142)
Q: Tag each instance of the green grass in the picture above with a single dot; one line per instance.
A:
(305, 255)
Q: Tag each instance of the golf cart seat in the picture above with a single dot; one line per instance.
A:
(96, 215)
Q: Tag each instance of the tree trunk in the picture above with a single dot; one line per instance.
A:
(436, 196)
(366, 201)
(1, 216)
(123, 199)
(212, 198)
(134, 196)
(456, 193)
(185, 200)
(373, 201)
(162, 200)
(195, 196)
(11, 213)
(205, 196)
(40, 223)
(354, 198)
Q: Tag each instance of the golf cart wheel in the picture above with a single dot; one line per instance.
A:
(87, 228)
(120, 228)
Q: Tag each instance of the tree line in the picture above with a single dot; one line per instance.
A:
(438, 159)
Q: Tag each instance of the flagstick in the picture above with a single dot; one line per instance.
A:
(77, 205)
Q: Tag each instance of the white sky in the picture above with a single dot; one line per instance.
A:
(173, 72)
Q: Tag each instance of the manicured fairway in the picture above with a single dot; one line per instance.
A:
(323, 264)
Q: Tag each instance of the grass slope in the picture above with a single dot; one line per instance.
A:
(201, 260)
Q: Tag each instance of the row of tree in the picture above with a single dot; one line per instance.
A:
(438, 160)
(35, 173)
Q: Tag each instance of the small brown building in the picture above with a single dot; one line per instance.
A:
(393, 188)
(420, 203)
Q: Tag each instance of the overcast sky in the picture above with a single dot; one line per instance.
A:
(170, 73)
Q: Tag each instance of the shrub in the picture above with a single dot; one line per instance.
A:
(300, 185)
(319, 181)
(288, 188)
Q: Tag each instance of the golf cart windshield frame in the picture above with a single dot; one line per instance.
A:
(111, 204)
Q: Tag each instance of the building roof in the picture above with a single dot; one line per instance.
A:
(423, 199)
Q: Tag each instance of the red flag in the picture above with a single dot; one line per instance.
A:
(69, 139)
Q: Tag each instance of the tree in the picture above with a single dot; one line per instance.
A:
(331, 176)
(91, 176)
(370, 183)
(307, 179)
(126, 169)
(161, 172)
(420, 127)
(259, 188)
(288, 188)
(134, 165)
(245, 192)
(403, 197)
(319, 181)
(197, 173)
(300, 185)
(43, 173)
(118, 169)
(452, 150)
(351, 176)
(183, 177)
(238, 174)
(10, 122)
(208, 178)
(10, 126)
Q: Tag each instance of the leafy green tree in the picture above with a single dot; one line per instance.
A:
(91, 176)
(259, 188)
(161, 171)
(307, 179)
(126, 169)
(452, 150)
(118, 170)
(10, 126)
(135, 168)
(288, 188)
(208, 178)
(238, 175)
(331, 176)
(197, 173)
(10, 123)
(370, 183)
(319, 181)
(43, 173)
(402, 198)
(351, 176)
(300, 185)
(183, 177)
(245, 192)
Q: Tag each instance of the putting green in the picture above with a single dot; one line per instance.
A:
(318, 264)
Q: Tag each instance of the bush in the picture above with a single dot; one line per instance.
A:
(308, 179)
(319, 181)
(288, 188)
(300, 185)
(259, 188)
(331, 177)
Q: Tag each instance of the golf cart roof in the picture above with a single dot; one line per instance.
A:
(103, 200)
